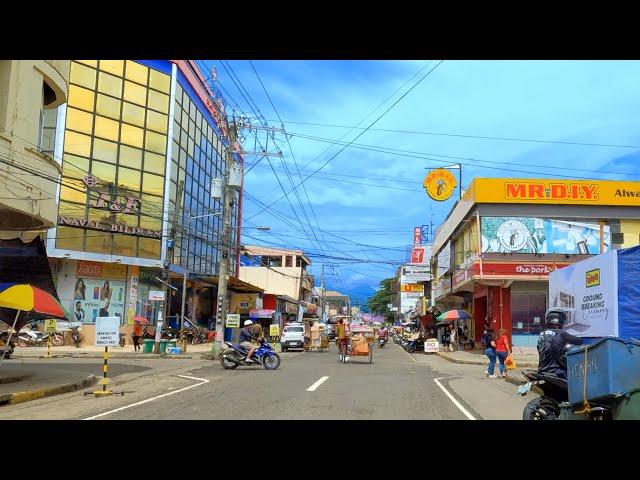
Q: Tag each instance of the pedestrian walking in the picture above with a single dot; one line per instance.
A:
(453, 339)
(503, 350)
(445, 339)
(490, 352)
(137, 333)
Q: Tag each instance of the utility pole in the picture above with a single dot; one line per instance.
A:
(228, 198)
(322, 294)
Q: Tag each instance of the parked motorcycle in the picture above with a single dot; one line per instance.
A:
(28, 337)
(7, 351)
(235, 355)
(122, 340)
(554, 393)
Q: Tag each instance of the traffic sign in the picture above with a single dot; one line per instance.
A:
(107, 331)
(233, 320)
(50, 325)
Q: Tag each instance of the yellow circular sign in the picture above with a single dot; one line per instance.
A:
(439, 184)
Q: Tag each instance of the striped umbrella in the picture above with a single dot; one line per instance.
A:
(453, 315)
(26, 298)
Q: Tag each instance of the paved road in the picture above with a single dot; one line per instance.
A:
(396, 386)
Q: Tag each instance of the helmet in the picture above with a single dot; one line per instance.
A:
(555, 317)
(247, 322)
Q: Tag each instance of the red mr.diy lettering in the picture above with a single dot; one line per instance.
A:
(551, 191)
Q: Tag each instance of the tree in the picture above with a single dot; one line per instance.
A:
(378, 303)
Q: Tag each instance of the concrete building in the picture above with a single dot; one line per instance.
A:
(31, 92)
(140, 142)
(493, 254)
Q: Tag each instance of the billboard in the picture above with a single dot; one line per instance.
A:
(556, 192)
(415, 274)
(444, 260)
(588, 292)
(541, 235)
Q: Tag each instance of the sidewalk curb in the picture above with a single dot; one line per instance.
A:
(113, 355)
(478, 362)
(20, 397)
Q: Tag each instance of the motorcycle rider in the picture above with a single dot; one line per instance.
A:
(551, 345)
(382, 333)
(246, 339)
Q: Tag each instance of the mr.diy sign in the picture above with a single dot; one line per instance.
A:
(116, 205)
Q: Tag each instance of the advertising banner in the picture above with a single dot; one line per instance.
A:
(541, 235)
(415, 274)
(588, 292)
(444, 260)
(98, 298)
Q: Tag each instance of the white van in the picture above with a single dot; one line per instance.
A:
(292, 336)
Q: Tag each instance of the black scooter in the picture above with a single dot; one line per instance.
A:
(554, 393)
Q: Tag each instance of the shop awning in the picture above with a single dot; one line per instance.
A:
(234, 284)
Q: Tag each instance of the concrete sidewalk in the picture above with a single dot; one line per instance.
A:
(193, 351)
(38, 379)
(477, 357)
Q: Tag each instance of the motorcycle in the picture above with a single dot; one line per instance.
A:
(235, 355)
(381, 342)
(76, 338)
(7, 351)
(27, 337)
(554, 393)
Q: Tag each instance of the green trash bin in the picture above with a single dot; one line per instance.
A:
(163, 346)
(147, 346)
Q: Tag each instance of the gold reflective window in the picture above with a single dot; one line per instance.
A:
(70, 238)
(72, 210)
(100, 216)
(129, 179)
(110, 85)
(151, 205)
(148, 247)
(155, 142)
(125, 245)
(154, 163)
(77, 143)
(150, 223)
(131, 135)
(112, 66)
(159, 81)
(136, 72)
(135, 93)
(91, 63)
(105, 172)
(81, 98)
(158, 101)
(153, 184)
(83, 76)
(128, 219)
(73, 190)
(157, 121)
(75, 167)
(104, 150)
(108, 106)
(133, 114)
(98, 242)
(106, 128)
(79, 120)
(130, 157)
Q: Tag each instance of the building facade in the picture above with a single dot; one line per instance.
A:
(31, 94)
(140, 143)
(493, 254)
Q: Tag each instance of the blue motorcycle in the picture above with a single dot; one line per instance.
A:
(235, 355)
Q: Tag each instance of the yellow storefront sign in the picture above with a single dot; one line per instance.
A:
(564, 192)
(439, 184)
(411, 288)
(274, 330)
(50, 325)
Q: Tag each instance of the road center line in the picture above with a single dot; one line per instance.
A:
(313, 387)
(455, 402)
(201, 380)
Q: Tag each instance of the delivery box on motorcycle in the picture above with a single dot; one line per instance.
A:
(613, 368)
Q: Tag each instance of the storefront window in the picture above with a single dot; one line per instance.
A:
(527, 312)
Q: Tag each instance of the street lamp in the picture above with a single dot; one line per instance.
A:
(186, 268)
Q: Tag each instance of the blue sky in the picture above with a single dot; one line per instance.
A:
(568, 101)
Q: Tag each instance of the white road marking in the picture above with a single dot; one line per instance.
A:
(201, 380)
(455, 402)
(313, 387)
